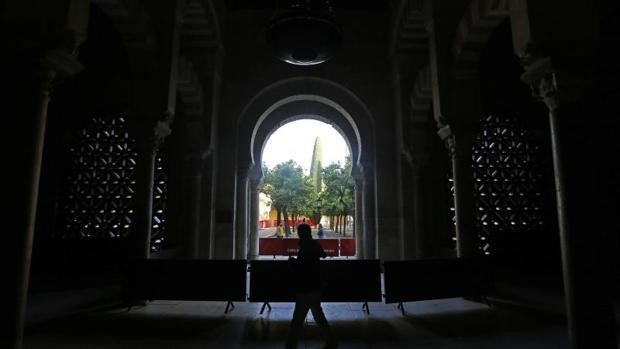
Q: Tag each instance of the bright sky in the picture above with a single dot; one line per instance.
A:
(295, 141)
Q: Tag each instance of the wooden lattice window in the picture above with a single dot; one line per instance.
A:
(508, 181)
(99, 198)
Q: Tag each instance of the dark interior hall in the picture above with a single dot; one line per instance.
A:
(482, 138)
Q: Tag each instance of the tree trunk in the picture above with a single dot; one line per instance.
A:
(287, 228)
(335, 218)
(338, 225)
(278, 215)
(294, 219)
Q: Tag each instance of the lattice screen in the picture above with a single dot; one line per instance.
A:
(452, 214)
(99, 197)
(508, 181)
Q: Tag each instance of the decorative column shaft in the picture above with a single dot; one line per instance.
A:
(29, 186)
(459, 147)
(421, 235)
(207, 210)
(241, 215)
(359, 220)
(408, 232)
(194, 191)
(450, 108)
(368, 200)
(254, 214)
(585, 264)
(150, 138)
(35, 66)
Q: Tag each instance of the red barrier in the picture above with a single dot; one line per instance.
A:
(290, 246)
(347, 247)
(330, 246)
(270, 246)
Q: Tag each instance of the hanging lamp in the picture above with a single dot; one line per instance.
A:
(304, 32)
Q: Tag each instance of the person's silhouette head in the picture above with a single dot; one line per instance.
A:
(304, 232)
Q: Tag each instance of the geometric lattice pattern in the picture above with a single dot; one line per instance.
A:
(160, 198)
(99, 199)
(507, 180)
(452, 214)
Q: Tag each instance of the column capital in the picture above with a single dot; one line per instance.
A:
(152, 132)
(416, 159)
(551, 81)
(59, 61)
(446, 135)
(356, 172)
(539, 75)
(358, 183)
(255, 176)
(194, 163)
(366, 171)
(62, 61)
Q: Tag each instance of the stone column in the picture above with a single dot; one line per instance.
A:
(35, 65)
(207, 208)
(241, 214)
(150, 138)
(154, 105)
(453, 115)
(585, 262)
(558, 43)
(403, 69)
(28, 185)
(422, 246)
(369, 210)
(194, 199)
(407, 197)
(253, 223)
(459, 147)
(359, 220)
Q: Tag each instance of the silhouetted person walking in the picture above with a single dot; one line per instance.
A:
(309, 283)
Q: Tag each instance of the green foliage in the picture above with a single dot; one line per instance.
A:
(286, 186)
(292, 192)
(339, 189)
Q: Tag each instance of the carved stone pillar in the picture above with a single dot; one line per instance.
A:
(28, 186)
(253, 221)
(406, 195)
(194, 199)
(451, 107)
(151, 135)
(359, 220)
(585, 256)
(241, 214)
(35, 58)
(207, 209)
(459, 146)
(422, 241)
(369, 209)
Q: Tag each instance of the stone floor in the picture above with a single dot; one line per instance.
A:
(449, 323)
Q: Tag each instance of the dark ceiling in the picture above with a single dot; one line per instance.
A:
(338, 5)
